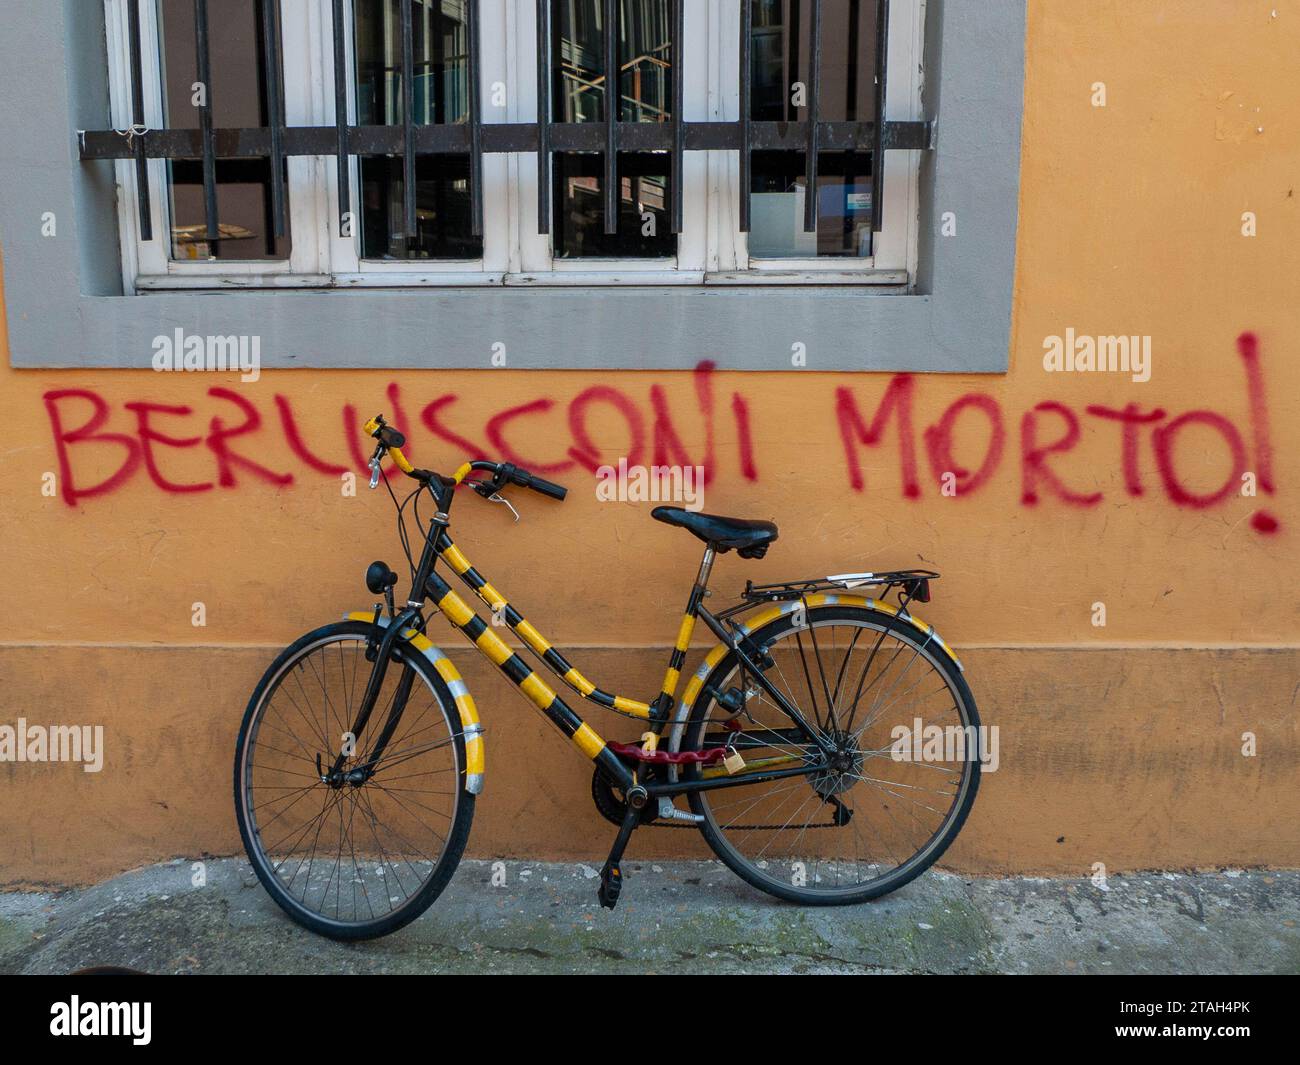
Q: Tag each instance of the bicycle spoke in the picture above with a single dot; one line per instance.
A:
(826, 688)
(839, 677)
(397, 758)
(367, 800)
(812, 695)
(384, 861)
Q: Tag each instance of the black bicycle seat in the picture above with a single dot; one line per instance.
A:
(750, 538)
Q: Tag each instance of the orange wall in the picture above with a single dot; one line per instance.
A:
(1130, 223)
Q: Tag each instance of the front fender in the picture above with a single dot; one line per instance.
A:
(756, 621)
(446, 669)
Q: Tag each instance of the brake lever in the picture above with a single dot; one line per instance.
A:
(375, 466)
(497, 497)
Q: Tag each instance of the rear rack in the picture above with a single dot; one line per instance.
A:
(911, 583)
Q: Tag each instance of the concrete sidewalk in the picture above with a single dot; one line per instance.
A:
(674, 917)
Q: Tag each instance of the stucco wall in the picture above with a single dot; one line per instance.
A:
(1115, 747)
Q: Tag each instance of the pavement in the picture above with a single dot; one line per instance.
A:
(694, 917)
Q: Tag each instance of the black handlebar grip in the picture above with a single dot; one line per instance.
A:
(538, 484)
(390, 437)
(549, 488)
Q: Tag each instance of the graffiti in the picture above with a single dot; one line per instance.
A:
(896, 403)
(649, 431)
(1041, 462)
(939, 442)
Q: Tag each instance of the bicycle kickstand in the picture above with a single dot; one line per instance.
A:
(611, 875)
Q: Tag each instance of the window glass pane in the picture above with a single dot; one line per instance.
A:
(646, 69)
(643, 207)
(843, 206)
(781, 73)
(578, 59)
(440, 95)
(238, 97)
(440, 62)
(244, 217)
(442, 214)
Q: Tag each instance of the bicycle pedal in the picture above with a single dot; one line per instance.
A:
(611, 883)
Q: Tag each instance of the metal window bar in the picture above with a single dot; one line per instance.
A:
(408, 124)
(203, 66)
(274, 110)
(877, 148)
(545, 136)
(613, 104)
(341, 149)
(814, 94)
(544, 116)
(678, 118)
(473, 66)
(746, 107)
(136, 140)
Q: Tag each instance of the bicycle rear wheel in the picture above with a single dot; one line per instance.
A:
(903, 723)
(360, 857)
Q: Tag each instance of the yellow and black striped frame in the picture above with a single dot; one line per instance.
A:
(656, 715)
(517, 669)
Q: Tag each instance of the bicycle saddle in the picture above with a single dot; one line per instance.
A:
(750, 538)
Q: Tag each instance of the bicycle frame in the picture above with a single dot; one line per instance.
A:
(438, 546)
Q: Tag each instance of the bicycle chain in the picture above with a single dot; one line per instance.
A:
(611, 808)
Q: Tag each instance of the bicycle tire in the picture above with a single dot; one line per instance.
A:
(924, 858)
(458, 831)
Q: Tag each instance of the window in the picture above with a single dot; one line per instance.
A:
(63, 87)
(781, 50)
(641, 52)
(439, 47)
(411, 142)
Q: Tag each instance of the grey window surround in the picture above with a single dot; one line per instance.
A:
(66, 308)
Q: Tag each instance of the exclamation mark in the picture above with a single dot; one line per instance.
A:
(1248, 347)
(746, 440)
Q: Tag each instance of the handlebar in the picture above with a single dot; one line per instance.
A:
(391, 440)
(502, 473)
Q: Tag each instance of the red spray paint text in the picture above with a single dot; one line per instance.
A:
(652, 434)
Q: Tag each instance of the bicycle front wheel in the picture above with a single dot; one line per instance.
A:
(904, 733)
(348, 844)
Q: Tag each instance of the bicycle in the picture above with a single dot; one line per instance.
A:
(363, 733)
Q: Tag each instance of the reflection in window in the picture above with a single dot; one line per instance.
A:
(643, 207)
(238, 97)
(645, 91)
(440, 62)
(442, 209)
(440, 95)
(780, 72)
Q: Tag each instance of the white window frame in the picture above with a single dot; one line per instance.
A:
(711, 248)
(148, 264)
(536, 263)
(349, 268)
(893, 259)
